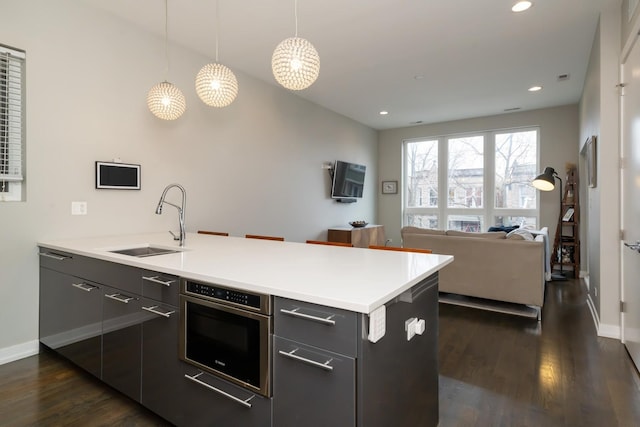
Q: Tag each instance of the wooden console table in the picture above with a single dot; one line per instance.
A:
(360, 237)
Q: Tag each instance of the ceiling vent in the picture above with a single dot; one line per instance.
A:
(506, 110)
(563, 77)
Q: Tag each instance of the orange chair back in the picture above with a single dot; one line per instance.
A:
(393, 248)
(213, 233)
(257, 236)
(322, 242)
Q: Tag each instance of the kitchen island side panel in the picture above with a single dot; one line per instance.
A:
(398, 378)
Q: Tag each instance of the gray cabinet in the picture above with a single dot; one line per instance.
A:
(121, 325)
(71, 318)
(314, 369)
(326, 371)
(209, 401)
(161, 368)
(312, 387)
(121, 335)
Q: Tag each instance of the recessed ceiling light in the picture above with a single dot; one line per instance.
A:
(384, 113)
(521, 6)
(535, 88)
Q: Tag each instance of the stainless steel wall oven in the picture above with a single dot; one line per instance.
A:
(228, 333)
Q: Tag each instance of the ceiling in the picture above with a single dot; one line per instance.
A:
(424, 61)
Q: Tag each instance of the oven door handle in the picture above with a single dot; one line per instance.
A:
(217, 390)
(293, 356)
(295, 313)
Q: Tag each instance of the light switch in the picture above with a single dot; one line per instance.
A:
(78, 208)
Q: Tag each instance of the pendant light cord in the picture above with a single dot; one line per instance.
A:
(166, 39)
(295, 13)
(217, 25)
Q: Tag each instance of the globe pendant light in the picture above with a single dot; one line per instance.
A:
(165, 100)
(216, 84)
(295, 62)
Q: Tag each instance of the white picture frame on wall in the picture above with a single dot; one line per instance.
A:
(592, 164)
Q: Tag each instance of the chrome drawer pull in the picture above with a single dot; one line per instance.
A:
(153, 310)
(224, 393)
(296, 313)
(56, 257)
(84, 286)
(291, 355)
(155, 279)
(114, 297)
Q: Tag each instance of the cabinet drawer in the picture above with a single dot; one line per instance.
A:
(317, 325)
(312, 387)
(58, 261)
(209, 401)
(123, 277)
(160, 286)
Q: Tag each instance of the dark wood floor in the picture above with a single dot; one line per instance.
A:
(495, 370)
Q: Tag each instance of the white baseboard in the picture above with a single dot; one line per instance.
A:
(603, 329)
(19, 351)
(609, 331)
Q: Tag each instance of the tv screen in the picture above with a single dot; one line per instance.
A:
(348, 180)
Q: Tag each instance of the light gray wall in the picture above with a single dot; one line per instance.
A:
(590, 213)
(558, 145)
(254, 167)
(600, 116)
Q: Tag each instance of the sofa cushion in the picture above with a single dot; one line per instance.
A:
(488, 235)
(520, 234)
(418, 230)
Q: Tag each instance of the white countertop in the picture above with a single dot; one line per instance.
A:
(355, 279)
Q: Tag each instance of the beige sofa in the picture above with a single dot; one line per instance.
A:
(487, 265)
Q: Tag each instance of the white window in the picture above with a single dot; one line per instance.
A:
(474, 181)
(11, 124)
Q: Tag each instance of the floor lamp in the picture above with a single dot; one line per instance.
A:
(546, 181)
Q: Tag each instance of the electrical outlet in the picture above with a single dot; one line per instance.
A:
(78, 208)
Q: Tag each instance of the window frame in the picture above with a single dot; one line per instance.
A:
(12, 124)
(489, 212)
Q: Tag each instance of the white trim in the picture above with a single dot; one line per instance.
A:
(609, 331)
(19, 351)
(628, 45)
(602, 329)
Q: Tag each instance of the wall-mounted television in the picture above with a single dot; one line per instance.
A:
(348, 180)
(117, 176)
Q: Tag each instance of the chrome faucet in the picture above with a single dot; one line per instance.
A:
(182, 235)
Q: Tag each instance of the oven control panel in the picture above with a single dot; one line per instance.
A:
(220, 293)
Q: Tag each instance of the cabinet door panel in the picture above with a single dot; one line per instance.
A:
(308, 394)
(71, 318)
(161, 368)
(121, 341)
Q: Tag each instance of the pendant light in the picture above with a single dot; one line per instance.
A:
(216, 84)
(295, 62)
(165, 100)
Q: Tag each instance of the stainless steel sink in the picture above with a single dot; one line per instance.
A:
(145, 251)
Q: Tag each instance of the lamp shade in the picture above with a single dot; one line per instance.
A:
(166, 101)
(216, 85)
(546, 180)
(295, 63)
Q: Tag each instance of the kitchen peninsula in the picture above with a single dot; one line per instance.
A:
(337, 336)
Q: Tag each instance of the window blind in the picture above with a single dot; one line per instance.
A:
(11, 114)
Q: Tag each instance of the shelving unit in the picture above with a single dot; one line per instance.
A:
(566, 247)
